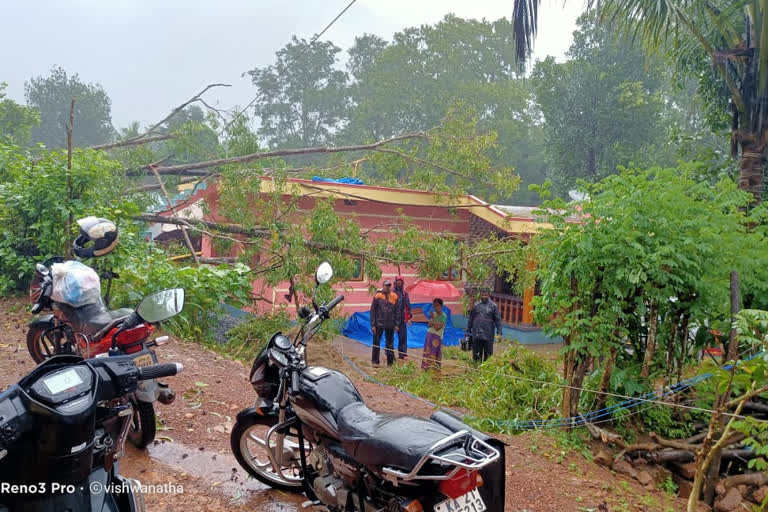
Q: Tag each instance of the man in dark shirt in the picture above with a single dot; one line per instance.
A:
(483, 320)
(403, 317)
(384, 321)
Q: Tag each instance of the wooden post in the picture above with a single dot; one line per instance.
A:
(70, 127)
(528, 297)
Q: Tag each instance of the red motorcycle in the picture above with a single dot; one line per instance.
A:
(93, 330)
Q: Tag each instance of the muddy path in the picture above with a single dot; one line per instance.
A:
(192, 452)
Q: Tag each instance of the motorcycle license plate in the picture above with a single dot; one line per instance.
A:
(470, 502)
(142, 361)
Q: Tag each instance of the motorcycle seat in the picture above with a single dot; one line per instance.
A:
(385, 439)
(94, 320)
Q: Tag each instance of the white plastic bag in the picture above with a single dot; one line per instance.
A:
(75, 284)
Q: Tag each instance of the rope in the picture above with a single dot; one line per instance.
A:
(599, 416)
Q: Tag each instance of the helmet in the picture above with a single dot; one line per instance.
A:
(399, 278)
(100, 233)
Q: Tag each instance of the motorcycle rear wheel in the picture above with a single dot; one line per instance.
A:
(247, 443)
(143, 429)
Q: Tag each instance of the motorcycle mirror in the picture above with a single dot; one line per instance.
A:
(161, 305)
(324, 273)
(42, 269)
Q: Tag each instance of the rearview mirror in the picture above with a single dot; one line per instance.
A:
(162, 305)
(324, 273)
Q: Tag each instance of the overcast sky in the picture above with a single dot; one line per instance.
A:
(152, 55)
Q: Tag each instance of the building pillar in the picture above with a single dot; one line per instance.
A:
(528, 297)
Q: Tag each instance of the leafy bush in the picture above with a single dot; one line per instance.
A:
(34, 210)
(206, 288)
(248, 339)
(491, 392)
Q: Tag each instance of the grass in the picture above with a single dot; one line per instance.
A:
(490, 392)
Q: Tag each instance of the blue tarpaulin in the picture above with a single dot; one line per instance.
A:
(358, 327)
(346, 181)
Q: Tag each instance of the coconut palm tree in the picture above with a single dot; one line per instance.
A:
(732, 34)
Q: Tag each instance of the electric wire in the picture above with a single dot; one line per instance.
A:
(605, 414)
(301, 54)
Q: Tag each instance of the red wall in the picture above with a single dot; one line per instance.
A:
(371, 216)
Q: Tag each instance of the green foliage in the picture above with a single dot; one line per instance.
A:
(51, 96)
(491, 391)
(34, 210)
(16, 121)
(667, 422)
(752, 328)
(603, 107)
(206, 288)
(249, 338)
(641, 238)
(668, 486)
(302, 96)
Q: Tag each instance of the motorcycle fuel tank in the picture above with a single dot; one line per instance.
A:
(323, 393)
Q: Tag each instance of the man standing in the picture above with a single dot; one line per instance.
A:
(483, 319)
(403, 317)
(384, 321)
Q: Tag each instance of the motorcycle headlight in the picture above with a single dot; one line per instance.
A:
(278, 357)
(282, 342)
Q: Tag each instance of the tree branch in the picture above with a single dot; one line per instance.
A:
(183, 168)
(131, 142)
(175, 111)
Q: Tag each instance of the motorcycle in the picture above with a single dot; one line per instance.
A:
(93, 330)
(62, 432)
(310, 431)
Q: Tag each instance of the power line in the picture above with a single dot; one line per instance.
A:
(630, 401)
(311, 42)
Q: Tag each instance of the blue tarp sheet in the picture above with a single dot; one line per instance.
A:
(347, 181)
(358, 327)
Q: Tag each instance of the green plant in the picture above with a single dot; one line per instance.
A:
(491, 392)
(206, 289)
(668, 486)
(247, 339)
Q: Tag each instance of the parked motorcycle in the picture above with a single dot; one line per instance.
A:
(62, 431)
(310, 431)
(92, 330)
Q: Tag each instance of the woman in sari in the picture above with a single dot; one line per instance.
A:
(433, 344)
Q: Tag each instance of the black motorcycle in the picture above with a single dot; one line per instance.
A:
(62, 430)
(93, 330)
(311, 432)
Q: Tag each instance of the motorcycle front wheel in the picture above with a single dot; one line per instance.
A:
(42, 343)
(143, 428)
(249, 447)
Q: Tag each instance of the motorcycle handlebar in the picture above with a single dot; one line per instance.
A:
(159, 370)
(332, 304)
(295, 376)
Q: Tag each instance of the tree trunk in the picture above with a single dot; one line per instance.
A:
(751, 169)
(650, 346)
(579, 372)
(605, 380)
(733, 343)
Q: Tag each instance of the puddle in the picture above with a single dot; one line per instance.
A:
(220, 471)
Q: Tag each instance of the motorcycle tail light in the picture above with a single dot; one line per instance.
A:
(459, 484)
(133, 336)
(412, 506)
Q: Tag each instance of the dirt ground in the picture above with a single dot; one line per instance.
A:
(192, 451)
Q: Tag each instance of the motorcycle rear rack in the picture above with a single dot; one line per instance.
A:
(473, 455)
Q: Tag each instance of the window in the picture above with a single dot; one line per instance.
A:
(358, 270)
(452, 274)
